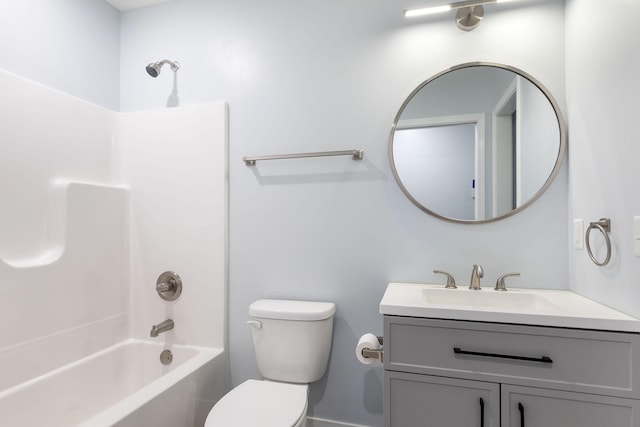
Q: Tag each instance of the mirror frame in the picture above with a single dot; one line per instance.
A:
(556, 168)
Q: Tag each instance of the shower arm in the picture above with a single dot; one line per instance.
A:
(174, 64)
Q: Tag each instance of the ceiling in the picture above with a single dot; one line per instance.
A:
(123, 5)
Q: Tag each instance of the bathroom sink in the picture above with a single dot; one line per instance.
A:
(516, 301)
(542, 307)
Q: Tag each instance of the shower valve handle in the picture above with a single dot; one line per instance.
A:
(169, 286)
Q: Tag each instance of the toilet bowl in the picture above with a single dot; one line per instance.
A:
(261, 403)
(292, 343)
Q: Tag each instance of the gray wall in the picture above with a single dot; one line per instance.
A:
(603, 65)
(69, 45)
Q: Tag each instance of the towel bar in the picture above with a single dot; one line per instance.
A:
(356, 154)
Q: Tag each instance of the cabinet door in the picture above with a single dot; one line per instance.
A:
(413, 400)
(534, 407)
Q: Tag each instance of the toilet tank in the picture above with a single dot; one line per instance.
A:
(292, 339)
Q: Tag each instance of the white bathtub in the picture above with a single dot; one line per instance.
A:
(124, 385)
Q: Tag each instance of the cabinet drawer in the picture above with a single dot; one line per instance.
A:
(578, 360)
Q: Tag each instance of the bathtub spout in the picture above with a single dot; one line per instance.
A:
(165, 326)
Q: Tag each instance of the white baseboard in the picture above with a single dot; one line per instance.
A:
(318, 422)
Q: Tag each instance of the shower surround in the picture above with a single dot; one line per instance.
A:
(96, 205)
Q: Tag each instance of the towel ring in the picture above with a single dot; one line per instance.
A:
(604, 226)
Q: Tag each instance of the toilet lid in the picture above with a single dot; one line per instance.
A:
(260, 403)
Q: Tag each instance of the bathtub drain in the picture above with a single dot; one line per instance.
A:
(166, 357)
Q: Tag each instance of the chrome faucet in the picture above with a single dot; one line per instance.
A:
(476, 274)
(161, 327)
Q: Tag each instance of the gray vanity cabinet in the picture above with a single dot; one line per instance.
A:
(542, 376)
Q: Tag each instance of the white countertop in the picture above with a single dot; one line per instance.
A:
(521, 306)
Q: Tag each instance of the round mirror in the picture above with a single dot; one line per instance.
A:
(477, 143)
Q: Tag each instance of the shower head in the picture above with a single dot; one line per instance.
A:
(154, 68)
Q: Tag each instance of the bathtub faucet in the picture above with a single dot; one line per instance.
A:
(165, 326)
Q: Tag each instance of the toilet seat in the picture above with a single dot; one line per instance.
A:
(261, 403)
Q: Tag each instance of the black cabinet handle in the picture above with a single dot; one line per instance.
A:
(521, 409)
(543, 359)
(481, 412)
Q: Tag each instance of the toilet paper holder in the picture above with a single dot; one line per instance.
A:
(377, 354)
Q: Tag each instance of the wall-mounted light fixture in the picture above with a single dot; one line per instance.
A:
(468, 16)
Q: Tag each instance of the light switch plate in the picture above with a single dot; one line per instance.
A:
(636, 235)
(578, 234)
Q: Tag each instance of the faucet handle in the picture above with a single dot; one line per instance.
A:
(451, 282)
(500, 283)
(478, 269)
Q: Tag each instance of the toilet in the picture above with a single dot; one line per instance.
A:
(292, 343)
